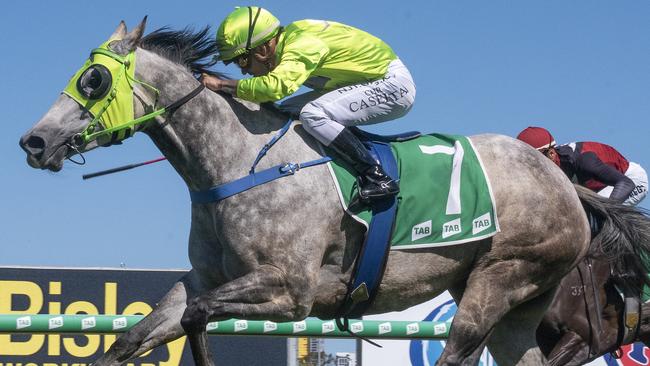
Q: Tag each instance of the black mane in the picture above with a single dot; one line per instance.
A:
(186, 47)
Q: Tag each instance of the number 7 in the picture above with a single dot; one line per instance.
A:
(453, 198)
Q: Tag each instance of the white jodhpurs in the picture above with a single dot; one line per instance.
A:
(639, 176)
(377, 101)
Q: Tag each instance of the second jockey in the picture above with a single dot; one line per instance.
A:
(594, 165)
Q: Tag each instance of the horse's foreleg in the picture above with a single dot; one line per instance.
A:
(513, 340)
(490, 293)
(262, 294)
(571, 347)
(200, 347)
(162, 325)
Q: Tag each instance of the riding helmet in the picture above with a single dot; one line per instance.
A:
(537, 137)
(244, 29)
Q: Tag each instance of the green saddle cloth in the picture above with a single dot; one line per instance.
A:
(445, 196)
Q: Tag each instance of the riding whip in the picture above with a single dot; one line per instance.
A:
(120, 168)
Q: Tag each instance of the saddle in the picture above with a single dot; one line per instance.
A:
(368, 137)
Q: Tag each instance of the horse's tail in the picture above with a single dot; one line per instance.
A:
(623, 238)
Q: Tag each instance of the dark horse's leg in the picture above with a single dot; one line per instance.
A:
(570, 347)
(257, 295)
(161, 326)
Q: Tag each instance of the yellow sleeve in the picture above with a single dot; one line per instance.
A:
(299, 58)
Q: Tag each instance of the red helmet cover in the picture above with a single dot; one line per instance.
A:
(537, 137)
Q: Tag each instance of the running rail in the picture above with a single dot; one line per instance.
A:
(311, 327)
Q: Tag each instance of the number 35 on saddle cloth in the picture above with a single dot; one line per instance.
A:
(445, 196)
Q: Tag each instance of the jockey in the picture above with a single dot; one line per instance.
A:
(356, 79)
(596, 166)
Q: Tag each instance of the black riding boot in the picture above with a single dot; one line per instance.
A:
(374, 184)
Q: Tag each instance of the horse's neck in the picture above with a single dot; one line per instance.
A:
(204, 140)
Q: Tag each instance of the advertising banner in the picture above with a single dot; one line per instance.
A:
(106, 291)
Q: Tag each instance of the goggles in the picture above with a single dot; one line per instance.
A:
(242, 60)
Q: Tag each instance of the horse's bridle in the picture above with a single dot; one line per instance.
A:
(629, 325)
(97, 129)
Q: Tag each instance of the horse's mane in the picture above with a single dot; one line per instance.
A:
(193, 49)
(623, 238)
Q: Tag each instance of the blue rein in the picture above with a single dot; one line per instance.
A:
(254, 179)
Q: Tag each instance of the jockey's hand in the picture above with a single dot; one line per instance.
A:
(211, 82)
(219, 85)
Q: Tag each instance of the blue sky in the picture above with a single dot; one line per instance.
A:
(579, 68)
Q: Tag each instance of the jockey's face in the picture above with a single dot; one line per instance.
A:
(255, 67)
(552, 154)
(261, 60)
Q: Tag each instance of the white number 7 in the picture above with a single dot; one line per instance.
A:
(453, 198)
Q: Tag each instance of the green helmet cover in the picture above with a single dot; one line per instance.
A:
(232, 35)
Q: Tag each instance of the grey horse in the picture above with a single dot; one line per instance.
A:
(285, 250)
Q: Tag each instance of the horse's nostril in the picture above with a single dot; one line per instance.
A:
(33, 145)
(36, 142)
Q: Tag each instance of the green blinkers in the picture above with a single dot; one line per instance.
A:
(104, 87)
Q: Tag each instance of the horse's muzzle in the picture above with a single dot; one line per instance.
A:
(36, 147)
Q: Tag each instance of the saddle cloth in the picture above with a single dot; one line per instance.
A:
(445, 196)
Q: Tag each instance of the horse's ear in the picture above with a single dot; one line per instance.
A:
(132, 39)
(120, 32)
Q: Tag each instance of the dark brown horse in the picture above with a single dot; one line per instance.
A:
(587, 318)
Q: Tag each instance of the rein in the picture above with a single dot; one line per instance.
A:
(587, 263)
(81, 139)
(629, 320)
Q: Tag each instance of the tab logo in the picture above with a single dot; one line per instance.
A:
(23, 322)
(119, 323)
(356, 327)
(300, 326)
(440, 329)
(241, 325)
(87, 323)
(451, 228)
(412, 328)
(385, 328)
(328, 327)
(54, 323)
(421, 230)
(270, 326)
(481, 223)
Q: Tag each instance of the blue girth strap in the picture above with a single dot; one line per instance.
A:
(370, 265)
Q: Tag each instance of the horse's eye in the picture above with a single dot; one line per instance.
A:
(95, 82)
